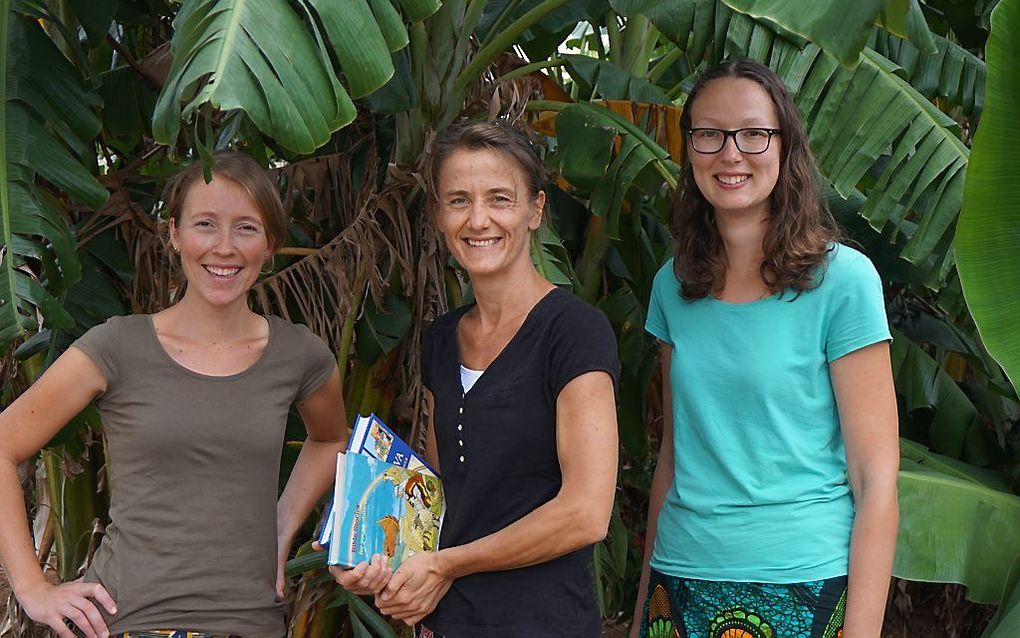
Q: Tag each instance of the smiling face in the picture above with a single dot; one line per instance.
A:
(222, 241)
(486, 212)
(735, 183)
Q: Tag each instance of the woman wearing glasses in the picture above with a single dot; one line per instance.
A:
(773, 505)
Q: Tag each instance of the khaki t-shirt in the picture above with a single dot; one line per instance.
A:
(194, 466)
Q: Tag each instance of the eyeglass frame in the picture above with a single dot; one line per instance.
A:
(728, 133)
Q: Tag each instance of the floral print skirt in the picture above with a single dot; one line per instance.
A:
(690, 608)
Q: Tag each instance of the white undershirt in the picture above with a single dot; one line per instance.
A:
(468, 377)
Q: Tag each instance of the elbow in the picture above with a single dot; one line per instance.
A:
(596, 530)
(592, 525)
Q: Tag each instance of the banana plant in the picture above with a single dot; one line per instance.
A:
(986, 243)
(47, 124)
(229, 54)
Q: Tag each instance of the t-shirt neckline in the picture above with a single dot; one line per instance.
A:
(208, 377)
(527, 319)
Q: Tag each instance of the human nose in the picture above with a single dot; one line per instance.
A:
(478, 216)
(224, 243)
(729, 151)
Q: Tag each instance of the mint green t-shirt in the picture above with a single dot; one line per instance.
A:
(760, 491)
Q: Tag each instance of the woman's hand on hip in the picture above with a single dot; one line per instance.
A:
(415, 589)
(365, 579)
(57, 605)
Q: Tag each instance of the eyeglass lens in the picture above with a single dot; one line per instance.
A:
(749, 140)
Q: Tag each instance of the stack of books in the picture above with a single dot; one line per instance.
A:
(387, 500)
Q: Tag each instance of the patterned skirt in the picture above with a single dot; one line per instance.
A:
(690, 608)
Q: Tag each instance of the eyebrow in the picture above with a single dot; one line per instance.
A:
(751, 122)
(213, 213)
(491, 191)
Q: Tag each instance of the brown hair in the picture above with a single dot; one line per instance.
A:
(245, 171)
(503, 138)
(800, 228)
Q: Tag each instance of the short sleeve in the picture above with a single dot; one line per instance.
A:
(857, 308)
(320, 364)
(582, 341)
(101, 344)
(664, 284)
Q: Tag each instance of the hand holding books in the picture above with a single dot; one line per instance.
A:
(387, 507)
(416, 588)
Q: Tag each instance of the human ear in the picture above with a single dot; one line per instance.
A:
(536, 217)
(175, 235)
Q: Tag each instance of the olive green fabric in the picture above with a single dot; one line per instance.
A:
(194, 467)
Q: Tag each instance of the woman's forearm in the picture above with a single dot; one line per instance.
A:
(872, 546)
(313, 474)
(556, 528)
(17, 551)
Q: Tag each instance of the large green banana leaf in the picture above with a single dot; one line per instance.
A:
(987, 240)
(47, 121)
(953, 73)
(259, 56)
(842, 28)
(953, 528)
(839, 27)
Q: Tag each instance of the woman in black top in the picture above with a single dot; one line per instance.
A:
(527, 450)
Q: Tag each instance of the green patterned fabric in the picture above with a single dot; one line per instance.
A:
(691, 608)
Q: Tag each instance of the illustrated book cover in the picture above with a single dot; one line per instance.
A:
(380, 508)
(373, 438)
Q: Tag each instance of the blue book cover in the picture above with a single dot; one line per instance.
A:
(382, 508)
(371, 437)
(374, 438)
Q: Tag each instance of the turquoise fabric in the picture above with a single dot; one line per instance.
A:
(760, 491)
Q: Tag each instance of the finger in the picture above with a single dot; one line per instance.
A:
(94, 617)
(317, 547)
(396, 582)
(378, 576)
(76, 616)
(104, 598)
(383, 575)
(59, 627)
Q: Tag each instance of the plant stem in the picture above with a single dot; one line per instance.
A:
(615, 38)
(531, 68)
(600, 47)
(489, 52)
(347, 332)
(663, 64)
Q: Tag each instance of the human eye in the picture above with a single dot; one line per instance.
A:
(248, 227)
(754, 133)
(501, 199)
(707, 133)
(203, 223)
(457, 202)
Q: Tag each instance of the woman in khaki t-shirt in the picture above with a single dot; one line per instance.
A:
(194, 402)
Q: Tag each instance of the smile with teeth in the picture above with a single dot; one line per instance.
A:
(481, 243)
(731, 180)
(224, 272)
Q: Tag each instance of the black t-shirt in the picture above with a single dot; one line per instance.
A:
(497, 452)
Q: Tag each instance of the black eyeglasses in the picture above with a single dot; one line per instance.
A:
(750, 141)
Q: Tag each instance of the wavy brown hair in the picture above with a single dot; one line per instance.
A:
(800, 230)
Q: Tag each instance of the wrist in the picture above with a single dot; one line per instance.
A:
(28, 588)
(446, 563)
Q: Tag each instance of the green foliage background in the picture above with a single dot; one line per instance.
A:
(103, 100)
